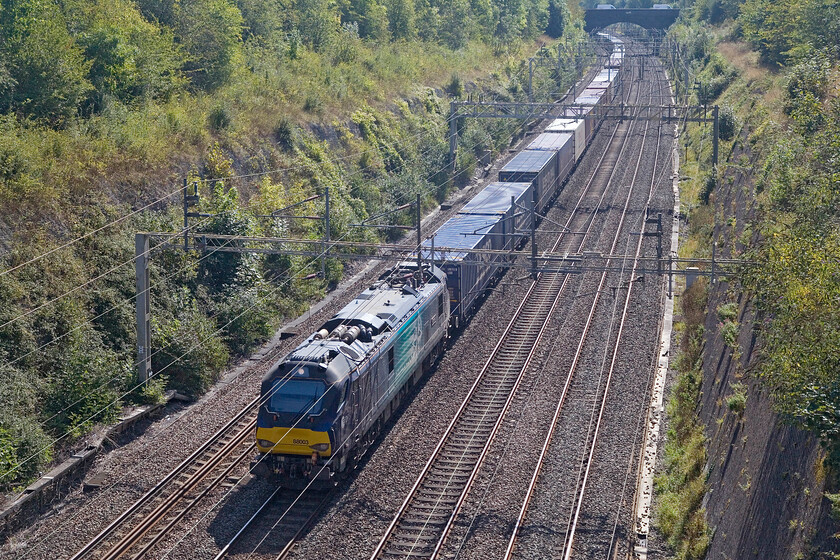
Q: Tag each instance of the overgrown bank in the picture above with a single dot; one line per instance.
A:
(681, 487)
(767, 395)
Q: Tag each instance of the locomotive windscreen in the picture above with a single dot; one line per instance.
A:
(296, 396)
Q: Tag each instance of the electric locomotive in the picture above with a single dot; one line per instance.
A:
(323, 404)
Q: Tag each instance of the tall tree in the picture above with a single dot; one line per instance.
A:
(130, 56)
(318, 22)
(211, 32)
(558, 16)
(48, 68)
(456, 23)
(401, 19)
(370, 15)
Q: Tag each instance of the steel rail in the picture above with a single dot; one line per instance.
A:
(612, 367)
(303, 528)
(569, 377)
(169, 479)
(522, 310)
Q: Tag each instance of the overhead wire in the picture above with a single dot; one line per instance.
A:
(367, 358)
(86, 283)
(311, 262)
(178, 191)
(88, 234)
(89, 321)
(98, 412)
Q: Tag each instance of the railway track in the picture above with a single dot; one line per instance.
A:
(278, 524)
(427, 515)
(574, 511)
(139, 528)
(623, 325)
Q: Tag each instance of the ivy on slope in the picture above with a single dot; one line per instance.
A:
(797, 282)
(796, 285)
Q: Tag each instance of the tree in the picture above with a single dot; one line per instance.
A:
(558, 15)
(211, 32)
(262, 18)
(318, 22)
(401, 22)
(190, 351)
(130, 56)
(511, 20)
(821, 24)
(428, 20)
(162, 11)
(369, 15)
(536, 18)
(219, 270)
(46, 68)
(770, 26)
(456, 23)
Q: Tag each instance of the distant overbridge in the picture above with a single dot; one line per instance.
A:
(645, 17)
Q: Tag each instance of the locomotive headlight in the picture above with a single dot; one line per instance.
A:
(265, 443)
(320, 446)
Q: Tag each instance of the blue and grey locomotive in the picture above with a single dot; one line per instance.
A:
(322, 405)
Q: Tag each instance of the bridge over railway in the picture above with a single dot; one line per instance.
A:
(644, 17)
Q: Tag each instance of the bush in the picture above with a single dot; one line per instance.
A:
(313, 104)
(737, 401)
(24, 450)
(188, 349)
(84, 389)
(219, 119)
(727, 311)
(284, 135)
(729, 333)
(809, 76)
(455, 87)
(153, 391)
(727, 123)
(834, 499)
(245, 316)
(709, 184)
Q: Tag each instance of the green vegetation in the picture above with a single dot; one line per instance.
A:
(106, 105)
(778, 91)
(680, 489)
(793, 118)
(737, 401)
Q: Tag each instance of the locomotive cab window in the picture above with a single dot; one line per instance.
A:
(391, 359)
(297, 396)
(440, 304)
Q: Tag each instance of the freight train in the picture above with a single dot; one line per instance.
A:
(323, 405)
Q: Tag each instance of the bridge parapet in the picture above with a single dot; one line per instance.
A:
(649, 18)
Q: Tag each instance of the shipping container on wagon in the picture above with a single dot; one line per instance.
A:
(576, 127)
(495, 200)
(467, 273)
(561, 142)
(535, 166)
(590, 123)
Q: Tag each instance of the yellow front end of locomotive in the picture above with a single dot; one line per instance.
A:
(293, 441)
